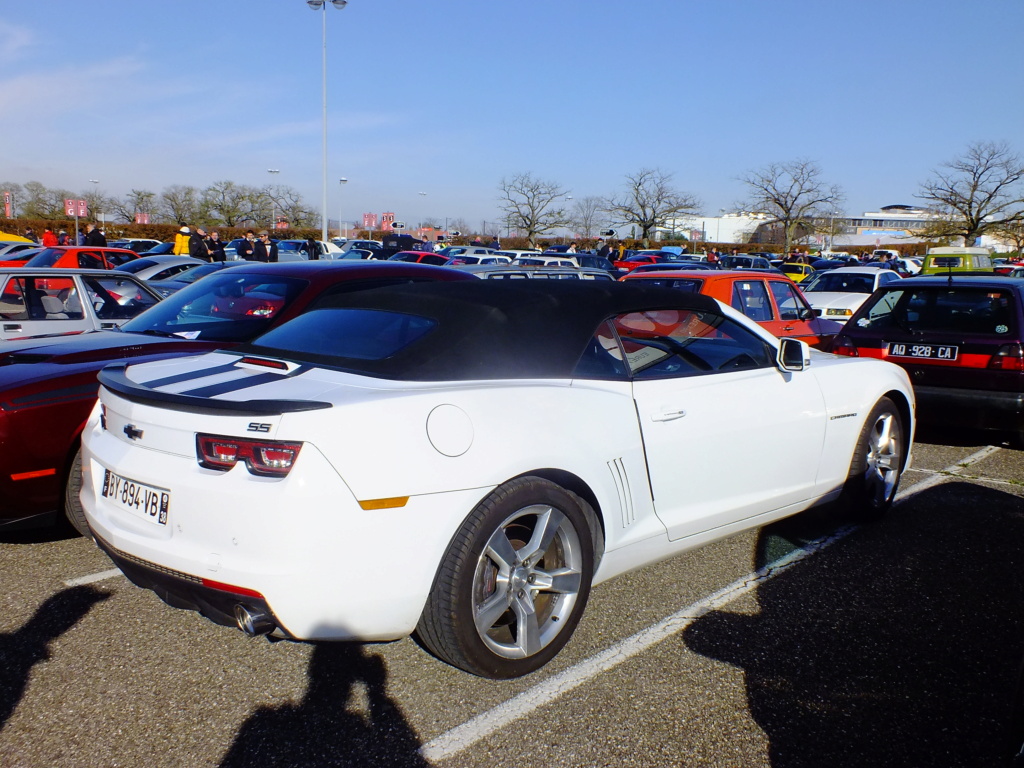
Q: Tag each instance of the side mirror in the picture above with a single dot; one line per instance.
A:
(794, 355)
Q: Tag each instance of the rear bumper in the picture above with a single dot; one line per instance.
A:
(182, 590)
(979, 408)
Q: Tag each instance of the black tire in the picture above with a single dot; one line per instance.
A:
(877, 463)
(72, 504)
(492, 610)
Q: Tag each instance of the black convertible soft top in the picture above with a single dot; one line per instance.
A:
(483, 329)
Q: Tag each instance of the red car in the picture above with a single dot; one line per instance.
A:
(48, 385)
(773, 301)
(81, 257)
(419, 257)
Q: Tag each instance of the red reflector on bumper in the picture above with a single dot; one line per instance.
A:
(31, 475)
(231, 588)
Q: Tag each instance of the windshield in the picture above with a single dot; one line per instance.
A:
(233, 306)
(963, 310)
(839, 282)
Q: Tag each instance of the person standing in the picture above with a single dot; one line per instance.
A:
(94, 237)
(49, 239)
(62, 238)
(264, 249)
(245, 248)
(312, 248)
(181, 241)
(495, 244)
(215, 246)
(197, 245)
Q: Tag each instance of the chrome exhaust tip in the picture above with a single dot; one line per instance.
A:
(253, 623)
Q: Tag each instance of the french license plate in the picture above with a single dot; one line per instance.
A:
(147, 502)
(927, 351)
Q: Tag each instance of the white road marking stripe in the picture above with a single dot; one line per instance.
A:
(483, 725)
(101, 576)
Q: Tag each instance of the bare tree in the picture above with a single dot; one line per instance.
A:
(40, 202)
(793, 194)
(135, 202)
(585, 214)
(532, 206)
(230, 204)
(180, 203)
(978, 192)
(1012, 232)
(17, 195)
(649, 201)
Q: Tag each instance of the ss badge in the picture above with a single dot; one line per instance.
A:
(257, 427)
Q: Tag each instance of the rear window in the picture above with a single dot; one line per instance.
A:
(45, 258)
(685, 284)
(964, 310)
(839, 282)
(337, 335)
(137, 265)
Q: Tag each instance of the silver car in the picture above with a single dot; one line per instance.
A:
(37, 302)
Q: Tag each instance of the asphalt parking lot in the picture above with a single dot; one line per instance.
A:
(806, 643)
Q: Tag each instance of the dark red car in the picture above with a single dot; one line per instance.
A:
(48, 385)
(961, 340)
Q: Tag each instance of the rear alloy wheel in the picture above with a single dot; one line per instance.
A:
(877, 464)
(72, 504)
(514, 582)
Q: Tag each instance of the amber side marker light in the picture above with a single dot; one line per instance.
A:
(392, 503)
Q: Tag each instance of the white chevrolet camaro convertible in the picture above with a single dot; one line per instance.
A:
(465, 460)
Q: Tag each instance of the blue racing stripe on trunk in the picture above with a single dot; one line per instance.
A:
(189, 376)
(243, 383)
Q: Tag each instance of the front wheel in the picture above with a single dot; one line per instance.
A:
(514, 581)
(877, 463)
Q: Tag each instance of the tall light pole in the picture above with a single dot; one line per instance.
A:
(96, 182)
(342, 182)
(273, 202)
(321, 5)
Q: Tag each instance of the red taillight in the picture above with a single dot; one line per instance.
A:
(267, 458)
(1010, 357)
(842, 345)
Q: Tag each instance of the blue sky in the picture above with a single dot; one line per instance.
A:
(447, 98)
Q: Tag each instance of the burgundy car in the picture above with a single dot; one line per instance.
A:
(48, 385)
(961, 339)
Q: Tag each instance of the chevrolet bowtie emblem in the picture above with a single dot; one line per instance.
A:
(132, 432)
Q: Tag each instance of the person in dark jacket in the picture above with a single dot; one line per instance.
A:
(264, 250)
(215, 246)
(93, 236)
(197, 245)
(312, 248)
(245, 248)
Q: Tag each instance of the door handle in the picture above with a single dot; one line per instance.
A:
(12, 327)
(668, 414)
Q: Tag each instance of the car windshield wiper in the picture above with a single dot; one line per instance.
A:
(157, 332)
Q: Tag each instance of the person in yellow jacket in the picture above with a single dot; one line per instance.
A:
(181, 242)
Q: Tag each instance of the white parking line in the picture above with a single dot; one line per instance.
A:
(93, 578)
(483, 725)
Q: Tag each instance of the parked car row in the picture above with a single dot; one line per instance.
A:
(258, 387)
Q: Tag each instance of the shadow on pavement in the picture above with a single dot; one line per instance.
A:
(327, 727)
(898, 646)
(22, 649)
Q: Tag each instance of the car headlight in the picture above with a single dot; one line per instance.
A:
(839, 312)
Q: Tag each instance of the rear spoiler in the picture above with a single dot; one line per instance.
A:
(114, 379)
